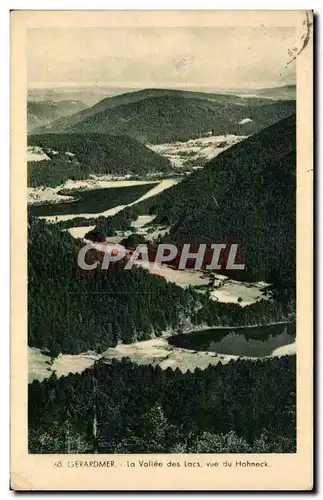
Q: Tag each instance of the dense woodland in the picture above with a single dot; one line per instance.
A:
(242, 407)
(54, 172)
(118, 222)
(159, 116)
(71, 310)
(246, 195)
(260, 217)
(168, 119)
(93, 154)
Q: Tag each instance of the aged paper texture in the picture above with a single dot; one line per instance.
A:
(161, 250)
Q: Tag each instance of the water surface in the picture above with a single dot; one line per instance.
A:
(254, 341)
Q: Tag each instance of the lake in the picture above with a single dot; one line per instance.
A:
(92, 201)
(255, 341)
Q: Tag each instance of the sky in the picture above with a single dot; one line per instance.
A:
(191, 58)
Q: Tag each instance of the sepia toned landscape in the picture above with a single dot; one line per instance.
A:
(197, 147)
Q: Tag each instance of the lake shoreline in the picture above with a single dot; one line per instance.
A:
(155, 351)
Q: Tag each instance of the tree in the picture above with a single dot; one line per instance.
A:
(219, 443)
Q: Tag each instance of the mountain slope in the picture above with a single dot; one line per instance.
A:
(284, 92)
(92, 309)
(246, 195)
(44, 112)
(157, 116)
(169, 119)
(72, 310)
(77, 156)
(134, 97)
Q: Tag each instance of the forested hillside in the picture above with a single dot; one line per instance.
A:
(72, 311)
(246, 195)
(44, 112)
(130, 98)
(242, 407)
(159, 116)
(168, 119)
(91, 154)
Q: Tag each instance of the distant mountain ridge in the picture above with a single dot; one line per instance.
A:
(283, 92)
(44, 112)
(158, 115)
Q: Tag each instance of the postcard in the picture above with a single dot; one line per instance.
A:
(161, 250)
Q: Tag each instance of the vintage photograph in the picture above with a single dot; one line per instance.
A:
(162, 239)
(161, 225)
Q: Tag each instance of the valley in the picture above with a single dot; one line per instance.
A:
(43, 195)
(42, 113)
(168, 351)
(104, 196)
(194, 153)
(94, 201)
(160, 359)
(87, 201)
